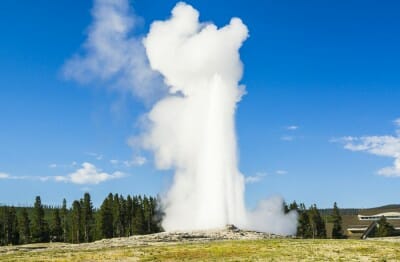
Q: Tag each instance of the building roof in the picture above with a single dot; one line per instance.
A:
(386, 214)
(354, 224)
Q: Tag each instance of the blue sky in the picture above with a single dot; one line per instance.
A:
(322, 81)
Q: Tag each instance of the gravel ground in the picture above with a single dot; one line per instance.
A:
(164, 238)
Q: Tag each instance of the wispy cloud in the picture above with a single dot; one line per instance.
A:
(87, 174)
(136, 161)
(281, 172)
(287, 138)
(114, 161)
(55, 165)
(256, 178)
(386, 146)
(111, 55)
(95, 155)
(11, 177)
(259, 176)
(292, 128)
(4, 176)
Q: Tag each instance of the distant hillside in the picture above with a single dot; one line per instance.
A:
(391, 206)
(356, 211)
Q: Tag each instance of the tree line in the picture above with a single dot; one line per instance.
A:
(134, 215)
(311, 224)
(81, 222)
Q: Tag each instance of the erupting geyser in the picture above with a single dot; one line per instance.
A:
(192, 129)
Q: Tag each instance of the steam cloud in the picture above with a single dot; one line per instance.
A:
(111, 55)
(192, 129)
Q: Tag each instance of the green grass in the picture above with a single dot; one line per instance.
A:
(259, 250)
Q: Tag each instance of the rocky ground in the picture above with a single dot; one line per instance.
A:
(230, 232)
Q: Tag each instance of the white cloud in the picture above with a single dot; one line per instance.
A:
(88, 174)
(136, 161)
(397, 123)
(65, 166)
(386, 146)
(44, 178)
(256, 178)
(392, 171)
(95, 155)
(4, 176)
(259, 176)
(111, 54)
(287, 138)
(10, 177)
(252, 179)
(292, 128)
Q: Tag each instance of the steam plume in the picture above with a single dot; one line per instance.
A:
(111, 55)
(192, 129)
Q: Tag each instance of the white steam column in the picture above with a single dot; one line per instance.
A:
(192, 130)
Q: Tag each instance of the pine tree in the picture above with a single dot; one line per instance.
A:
(147, 215)
(317, 223)
(285, 207)
(384, 228)
(12, 230)
(3, 218)
(87, 217)
(117, 216)
(138, 218)
(56, 226)
(123, 216)
(39, 225)
(97, 233)
(337, 222)
(25, 229)
(64, 221)
(129, 215)
(293, 206)
(155, 218)
(116, 209)
(76, 222)
(106, 218)
(304, 226)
